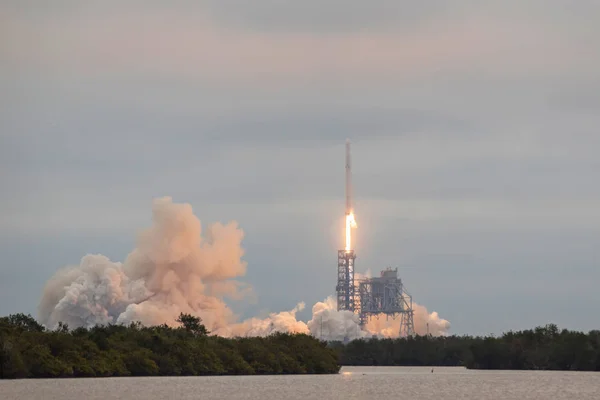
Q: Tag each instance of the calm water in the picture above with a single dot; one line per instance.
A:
(351, 383)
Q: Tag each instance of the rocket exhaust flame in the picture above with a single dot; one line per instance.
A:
(350, 224)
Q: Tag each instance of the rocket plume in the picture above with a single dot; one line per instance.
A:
(350, 224)
(174, 268)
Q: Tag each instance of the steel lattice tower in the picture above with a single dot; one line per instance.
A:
(407, 323)
(386, 295)
(345, 280)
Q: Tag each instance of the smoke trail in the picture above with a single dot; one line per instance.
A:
(175, 269)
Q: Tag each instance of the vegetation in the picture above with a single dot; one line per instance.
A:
(543, 348)
(28, 350)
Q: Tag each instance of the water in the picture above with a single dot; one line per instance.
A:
(352, 383)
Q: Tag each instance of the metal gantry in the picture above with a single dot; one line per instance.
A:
(386, 295)
(345, 288)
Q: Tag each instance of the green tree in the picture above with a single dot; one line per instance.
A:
(24, 322)
(192, 324)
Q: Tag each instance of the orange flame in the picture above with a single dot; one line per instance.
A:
(350, 224)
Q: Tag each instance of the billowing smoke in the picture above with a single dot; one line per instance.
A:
(329, 324)
(175, 268)
(425, 322)
(276, 322)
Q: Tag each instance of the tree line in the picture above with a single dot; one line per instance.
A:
(29, 350)
(542, 348)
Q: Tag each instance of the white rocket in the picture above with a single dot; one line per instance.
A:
(348, 179)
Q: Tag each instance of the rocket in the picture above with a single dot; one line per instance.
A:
(348, 179)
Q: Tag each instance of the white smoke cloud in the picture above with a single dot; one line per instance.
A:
(276, 322)
(385, 326)
(175, 269)
(329, 324)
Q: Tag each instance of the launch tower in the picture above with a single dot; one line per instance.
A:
(345, 281)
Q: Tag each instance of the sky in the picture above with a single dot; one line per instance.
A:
(475, 128)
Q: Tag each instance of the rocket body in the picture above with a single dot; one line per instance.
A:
(348, 180)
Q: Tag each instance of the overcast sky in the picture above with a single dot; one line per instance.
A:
(475, 128)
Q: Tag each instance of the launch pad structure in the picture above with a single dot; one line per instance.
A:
(369, 297)
(386, 295)
(346, 288)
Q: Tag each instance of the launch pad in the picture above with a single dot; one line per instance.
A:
(373, 297)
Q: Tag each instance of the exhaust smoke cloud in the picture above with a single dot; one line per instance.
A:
(175, 268)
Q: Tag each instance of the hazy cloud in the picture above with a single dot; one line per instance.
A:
(475, 130)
